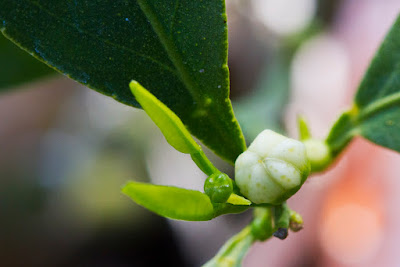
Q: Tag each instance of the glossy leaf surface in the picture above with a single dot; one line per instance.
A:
(175, 49)
(171, 202)
(376, 111)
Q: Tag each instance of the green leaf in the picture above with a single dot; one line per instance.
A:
(376, 111)
(234, 250)
(17, 67)
(227, 208)
(175, 49)
(170, 125)
(171, 202)
(304, 131)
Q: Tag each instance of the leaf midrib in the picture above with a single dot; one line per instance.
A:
(359, 116)
(378, 105)
(171, 49)
(178, 63)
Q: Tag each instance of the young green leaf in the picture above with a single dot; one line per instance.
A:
(304, 131)
(176, 49)
(171, 202)
(376, 111)
(170, 125)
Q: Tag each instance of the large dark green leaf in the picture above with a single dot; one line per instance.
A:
(176, 49)
(17, 67)
(376, 111)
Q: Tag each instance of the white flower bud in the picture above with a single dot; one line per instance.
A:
(272, 169)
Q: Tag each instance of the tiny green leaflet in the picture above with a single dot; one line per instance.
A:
(171, 202)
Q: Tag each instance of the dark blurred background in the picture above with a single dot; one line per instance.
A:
(65, 151)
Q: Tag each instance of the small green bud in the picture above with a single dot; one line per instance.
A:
(218, 187)
(296, 221)
(318, 153)
(272, 169)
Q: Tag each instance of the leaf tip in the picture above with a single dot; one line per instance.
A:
(134, 86)
(125, 187)
(238, 200)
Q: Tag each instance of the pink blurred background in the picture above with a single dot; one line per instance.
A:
(66, 151)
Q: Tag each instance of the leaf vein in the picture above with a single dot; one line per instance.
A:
(171, 50)
(171, 26)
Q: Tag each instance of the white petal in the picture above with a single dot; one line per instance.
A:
(265, 142)
(291, 151)
(283, 173)
(262, 188)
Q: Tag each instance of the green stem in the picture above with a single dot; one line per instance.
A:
(262, 226)
(234, 250)
(203, 162)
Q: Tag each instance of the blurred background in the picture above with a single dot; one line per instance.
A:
(65, 151)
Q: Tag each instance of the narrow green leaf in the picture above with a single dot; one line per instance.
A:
(304, 131)
(171, 202)
(17, 67)
(376, 111)
(170, 125)
(175, 49)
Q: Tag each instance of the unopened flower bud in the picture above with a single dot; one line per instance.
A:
(272, 169)
(218, 187)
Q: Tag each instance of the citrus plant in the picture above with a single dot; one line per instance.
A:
(170, 59)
